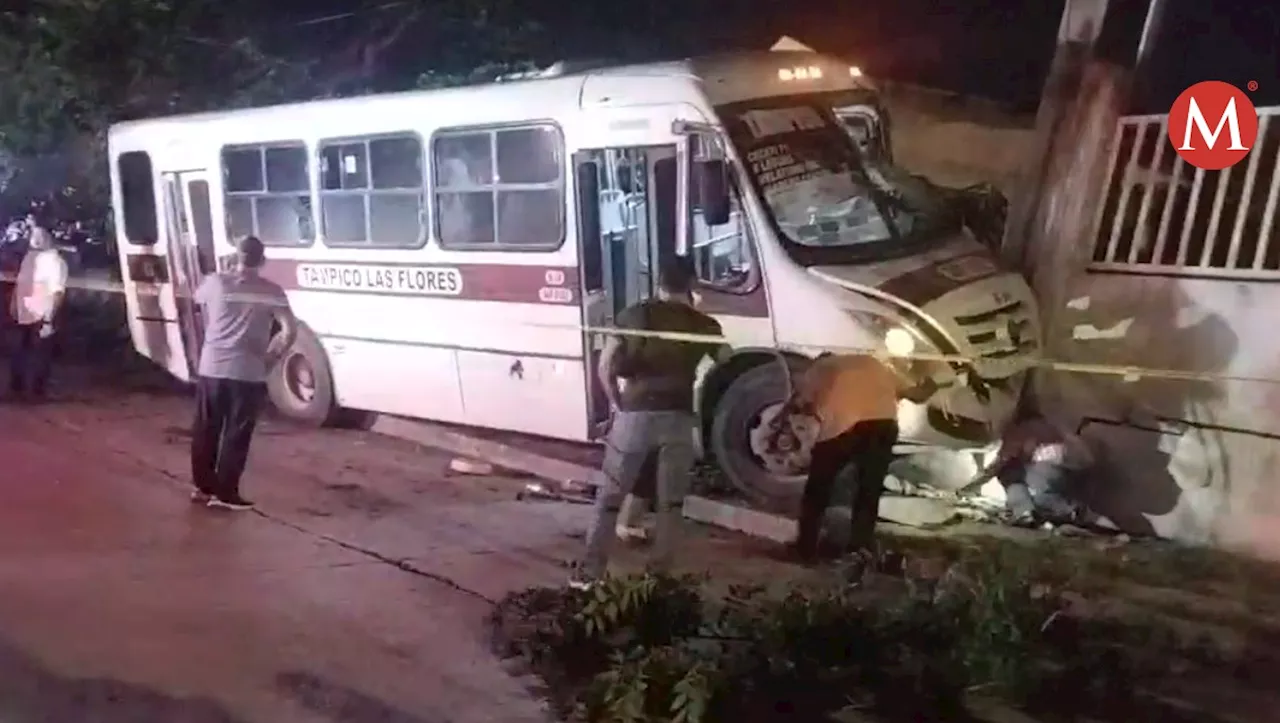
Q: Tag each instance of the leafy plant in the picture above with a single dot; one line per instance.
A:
(890, 639)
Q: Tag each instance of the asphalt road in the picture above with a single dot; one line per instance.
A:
(356, 592)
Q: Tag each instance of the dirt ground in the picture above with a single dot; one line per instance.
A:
(358, 590)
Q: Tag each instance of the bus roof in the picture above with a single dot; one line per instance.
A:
(556, 93)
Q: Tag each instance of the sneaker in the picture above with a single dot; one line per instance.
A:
(579, 579)
(1027, 520)
(230, 503)
(637, 536)
(200, 497)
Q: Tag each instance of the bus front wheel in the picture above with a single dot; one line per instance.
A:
(740, 411)
(301, 384)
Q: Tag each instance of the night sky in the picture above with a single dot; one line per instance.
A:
(995, 48)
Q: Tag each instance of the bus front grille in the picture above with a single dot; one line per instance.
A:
(1005, 335)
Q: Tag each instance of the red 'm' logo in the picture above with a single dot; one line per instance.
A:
(1213, 125)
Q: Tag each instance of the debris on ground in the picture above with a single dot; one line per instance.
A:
(546, 492)
(462, 465)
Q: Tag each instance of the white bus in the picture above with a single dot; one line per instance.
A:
(444, 249)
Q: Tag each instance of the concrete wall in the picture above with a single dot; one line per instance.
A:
(1193, 459)
(1186, 411)
(957, 140)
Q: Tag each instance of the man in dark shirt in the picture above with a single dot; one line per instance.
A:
(649, 384)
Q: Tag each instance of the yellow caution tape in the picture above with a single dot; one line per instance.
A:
(1127, 373)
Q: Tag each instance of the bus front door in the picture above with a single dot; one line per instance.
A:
(192, 255)
(625, 225)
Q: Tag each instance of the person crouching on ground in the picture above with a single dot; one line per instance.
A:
(855, 401)
(653, 422)
(1041, 468)
(240, 308)
(37, 297)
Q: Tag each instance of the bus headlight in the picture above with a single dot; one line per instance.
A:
(899, 342)
(893, 335)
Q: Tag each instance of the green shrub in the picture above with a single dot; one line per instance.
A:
(660, 648)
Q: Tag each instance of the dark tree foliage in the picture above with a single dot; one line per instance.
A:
(74, 67)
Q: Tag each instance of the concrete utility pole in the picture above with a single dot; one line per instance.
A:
(1049, 234)
(1081, 23)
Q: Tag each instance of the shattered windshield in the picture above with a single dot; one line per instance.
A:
(815, 185)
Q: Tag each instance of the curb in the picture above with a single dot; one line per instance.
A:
(699, 509)
(495, 453)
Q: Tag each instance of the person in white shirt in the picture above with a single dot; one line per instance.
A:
(37, 297)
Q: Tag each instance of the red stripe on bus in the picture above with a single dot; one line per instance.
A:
(147, 268)
(510, 283)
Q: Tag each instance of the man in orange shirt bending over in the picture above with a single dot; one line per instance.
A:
(855, 400)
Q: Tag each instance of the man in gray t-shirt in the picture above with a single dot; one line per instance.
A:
(240, 310)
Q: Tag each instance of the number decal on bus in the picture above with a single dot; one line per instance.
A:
(966, 268)
(555, 295)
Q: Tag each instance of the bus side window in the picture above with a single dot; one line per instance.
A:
(499, 188)
(268, 193)
(138, 197)
(722, 254)
(372, 192)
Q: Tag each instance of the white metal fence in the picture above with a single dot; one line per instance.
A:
(1163, 216)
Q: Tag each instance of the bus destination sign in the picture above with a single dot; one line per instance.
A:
(420, 280)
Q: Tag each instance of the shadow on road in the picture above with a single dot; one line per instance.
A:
(31, 692)
(341, 703)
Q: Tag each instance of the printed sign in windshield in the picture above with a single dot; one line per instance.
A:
(773, 164)
(806, 170)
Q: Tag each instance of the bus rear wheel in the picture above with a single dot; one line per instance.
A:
(745, 405)
(301, 384)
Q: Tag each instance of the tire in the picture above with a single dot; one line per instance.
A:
(320, 409)
(735, 414)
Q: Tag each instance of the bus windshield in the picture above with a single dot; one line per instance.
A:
(829, 204)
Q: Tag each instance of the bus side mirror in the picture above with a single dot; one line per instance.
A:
(713, 191)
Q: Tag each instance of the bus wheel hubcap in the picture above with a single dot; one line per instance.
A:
(300, 378)
(758, 433)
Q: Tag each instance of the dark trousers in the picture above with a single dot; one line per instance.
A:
(226, 413)
(32, 361)
(864, 452)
